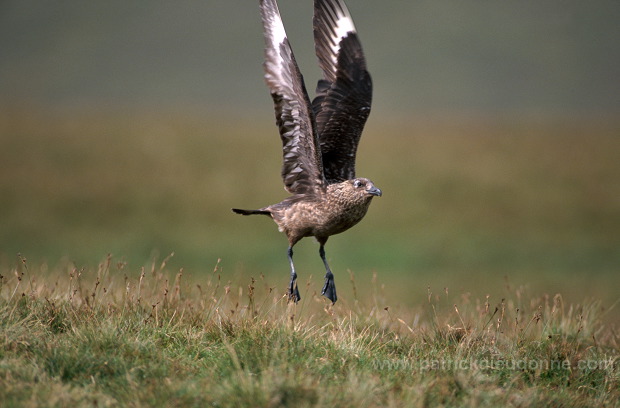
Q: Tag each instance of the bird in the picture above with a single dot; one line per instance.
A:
(319, 138)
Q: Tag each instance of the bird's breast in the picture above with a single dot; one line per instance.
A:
(332, 218)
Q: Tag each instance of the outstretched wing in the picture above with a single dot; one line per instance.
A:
(344, 95)
(302, 170)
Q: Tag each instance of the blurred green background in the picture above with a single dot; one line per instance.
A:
(132, 128)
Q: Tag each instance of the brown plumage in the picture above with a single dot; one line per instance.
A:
(319, 139)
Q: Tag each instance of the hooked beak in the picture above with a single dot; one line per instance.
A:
(374, 191)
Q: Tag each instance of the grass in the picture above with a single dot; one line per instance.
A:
(111, 336)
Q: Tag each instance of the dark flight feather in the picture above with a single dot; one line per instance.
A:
(344, 95)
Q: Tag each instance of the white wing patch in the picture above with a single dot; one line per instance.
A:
(344, 26)
(276, 36)
(277, 32)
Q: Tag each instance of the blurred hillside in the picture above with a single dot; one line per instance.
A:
(425, 56)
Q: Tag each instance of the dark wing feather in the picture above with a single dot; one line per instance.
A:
(344, 95)
(302, 171)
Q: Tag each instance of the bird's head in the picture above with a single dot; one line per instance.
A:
(353, 192)
(363, 186)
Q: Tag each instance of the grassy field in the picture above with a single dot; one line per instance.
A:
(486, 275)
(110, 336)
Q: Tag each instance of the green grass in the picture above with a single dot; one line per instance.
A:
(112, 336)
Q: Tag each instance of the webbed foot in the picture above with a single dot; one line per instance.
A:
(293, 293)
(329, 289)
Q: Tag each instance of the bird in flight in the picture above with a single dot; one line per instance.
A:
(319, 138)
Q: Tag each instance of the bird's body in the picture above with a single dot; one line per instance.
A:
(319, 139)
(331, 213)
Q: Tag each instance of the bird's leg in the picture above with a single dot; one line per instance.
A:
(293, 292)
(329, 290)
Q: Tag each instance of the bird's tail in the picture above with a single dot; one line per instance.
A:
(251, 212)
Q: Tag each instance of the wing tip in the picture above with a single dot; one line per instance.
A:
(335, 15)
(275, 33)
(332, 24)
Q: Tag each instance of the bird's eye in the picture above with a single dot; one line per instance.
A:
(357, 184)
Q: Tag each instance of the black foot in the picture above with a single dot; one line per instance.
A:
(293, 294)
(329, 290)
